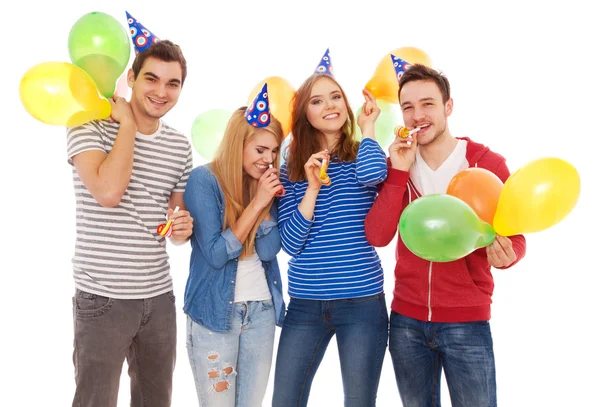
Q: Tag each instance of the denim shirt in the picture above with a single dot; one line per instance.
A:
(210, 288)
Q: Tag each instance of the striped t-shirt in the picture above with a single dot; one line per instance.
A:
(118, 252)
(331, 258)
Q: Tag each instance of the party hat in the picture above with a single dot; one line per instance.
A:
(258, 114)
(400, 66)
(325, 66)
(142, 38)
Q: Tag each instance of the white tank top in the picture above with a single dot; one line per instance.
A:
(251, 284)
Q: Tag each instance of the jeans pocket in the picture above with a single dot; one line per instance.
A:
(171, 296)
(88, 305)
(267, 305)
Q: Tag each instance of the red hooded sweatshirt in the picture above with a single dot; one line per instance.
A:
(457, 291)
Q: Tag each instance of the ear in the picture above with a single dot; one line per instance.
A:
(449, 106)
(130, 78)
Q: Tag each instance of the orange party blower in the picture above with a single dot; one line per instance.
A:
(403, 132)
(325, 180)
(166, 229)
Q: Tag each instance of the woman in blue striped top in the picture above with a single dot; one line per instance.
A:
(335, 276)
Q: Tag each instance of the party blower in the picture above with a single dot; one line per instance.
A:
(325, 180)
(281, 192)
(167, 229)
(403, 132)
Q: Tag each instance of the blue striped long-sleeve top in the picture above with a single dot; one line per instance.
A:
(331, 258)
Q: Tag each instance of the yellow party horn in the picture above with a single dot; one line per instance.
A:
(325, 180)
(166, 230)
(403, 132)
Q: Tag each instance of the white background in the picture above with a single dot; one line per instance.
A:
(524, 80)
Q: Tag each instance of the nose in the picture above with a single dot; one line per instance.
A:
(419, 114)
(161, 90)
(268, 157)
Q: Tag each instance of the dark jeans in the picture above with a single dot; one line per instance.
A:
(107, 331)
(361, 328)
(464, 350)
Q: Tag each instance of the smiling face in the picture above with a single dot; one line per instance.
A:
(327, 110)
(259, 152)
(156, 89)
(423, 106)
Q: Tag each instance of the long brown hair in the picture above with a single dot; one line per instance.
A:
(228, 168)
(306, 140)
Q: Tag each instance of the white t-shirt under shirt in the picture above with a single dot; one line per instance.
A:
(251, 284)
(428, 181)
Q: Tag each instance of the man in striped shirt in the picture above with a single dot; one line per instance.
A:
(129, 172)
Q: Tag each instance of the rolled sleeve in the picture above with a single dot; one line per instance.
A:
(232, 244)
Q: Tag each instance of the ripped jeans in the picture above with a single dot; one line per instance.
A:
(232, 369)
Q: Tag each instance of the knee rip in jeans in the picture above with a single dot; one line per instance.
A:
(219, 384)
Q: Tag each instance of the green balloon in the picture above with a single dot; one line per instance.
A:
(99, 45)
(388, 119)
(207, 131)
(443, 228)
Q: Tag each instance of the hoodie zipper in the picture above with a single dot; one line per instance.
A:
(429, 292)
(411, 186)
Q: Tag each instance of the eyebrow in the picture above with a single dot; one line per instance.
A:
(331, 93)
(420, 100)
(173, 80)
(266, 148)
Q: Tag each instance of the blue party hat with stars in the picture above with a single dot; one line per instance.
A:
(400, 66)
(325, 67)
(142, 37)
(258, 113)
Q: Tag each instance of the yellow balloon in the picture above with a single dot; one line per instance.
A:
(281, 93)
(384, 84)
(537, 196)
(62, 94)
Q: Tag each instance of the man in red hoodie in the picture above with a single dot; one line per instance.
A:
(440, 311)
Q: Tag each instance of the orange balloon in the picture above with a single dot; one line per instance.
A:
(480, 189)
(384, 84)
(281, 93)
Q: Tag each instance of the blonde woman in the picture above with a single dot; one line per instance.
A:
(233, 298)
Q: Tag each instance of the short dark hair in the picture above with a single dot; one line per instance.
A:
(164, 50)
(420, 72)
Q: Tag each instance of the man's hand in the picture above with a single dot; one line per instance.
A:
(182, 227)
(500, 253)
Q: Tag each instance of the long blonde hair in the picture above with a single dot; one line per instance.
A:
(228, 168)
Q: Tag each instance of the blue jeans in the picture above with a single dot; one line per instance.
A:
(464, 350)
(232, 369)
(361, 329)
